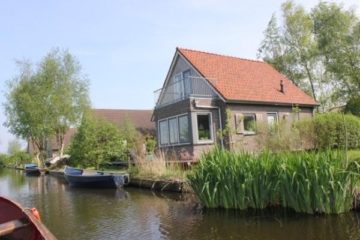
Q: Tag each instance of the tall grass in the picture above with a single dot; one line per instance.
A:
(306, 182)
(157, 168)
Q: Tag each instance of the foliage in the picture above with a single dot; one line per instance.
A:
(14, 146)
(331, 130)
(44, 102)
(157, 168)
(16, 159)
(134, 140)
(353, 105)
(318, 50)
(150, 143)
(3, 159)
(279, 137)
(314, 182)
(96, 141)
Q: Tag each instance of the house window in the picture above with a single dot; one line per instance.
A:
(271, 119)
(249, 123)
(174, 130)
(204, 127)
(164, 132)
(187, 82)
(183, 129)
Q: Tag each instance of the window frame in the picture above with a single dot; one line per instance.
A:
(247, 132)
(188, 128)
(167, 119)
(196, 130)
(159, 132)
(276, 119)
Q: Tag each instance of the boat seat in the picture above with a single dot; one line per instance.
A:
(10, 226)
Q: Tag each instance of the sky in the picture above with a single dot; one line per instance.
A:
(125, 47)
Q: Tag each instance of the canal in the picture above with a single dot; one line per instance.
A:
(74, 213)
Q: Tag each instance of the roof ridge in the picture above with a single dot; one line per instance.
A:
(221, 55)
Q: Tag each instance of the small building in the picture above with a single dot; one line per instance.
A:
(141, 120)
(204, 92)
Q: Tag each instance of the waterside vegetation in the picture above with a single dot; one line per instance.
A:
(307, 182)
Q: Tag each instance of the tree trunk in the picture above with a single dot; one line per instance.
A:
(311, 81)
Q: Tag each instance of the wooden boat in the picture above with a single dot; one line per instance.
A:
(76, 177)
(32, 169)
(17, 222)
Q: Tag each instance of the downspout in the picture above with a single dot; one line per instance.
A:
(220, 117)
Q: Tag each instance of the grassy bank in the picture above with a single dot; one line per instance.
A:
(157, 168)
(315, 182)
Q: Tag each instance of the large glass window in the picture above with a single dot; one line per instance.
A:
(174, 132)
(183, 129)
(164, 132)
(204, 127)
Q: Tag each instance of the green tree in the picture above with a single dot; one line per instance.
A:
(134, 140)
(353, 105)
(96, 141)
(291, 49)
(338, 35)
(14, 146)
(44, 102)
(318, 50)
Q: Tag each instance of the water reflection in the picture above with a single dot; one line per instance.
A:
(76, 213)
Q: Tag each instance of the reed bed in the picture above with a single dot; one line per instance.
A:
(308, 182)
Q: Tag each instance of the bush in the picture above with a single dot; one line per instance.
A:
(16, 159)
(353, 105)
(315, 182)
(330, 130)
(96, 142)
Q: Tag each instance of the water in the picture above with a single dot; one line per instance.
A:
(74, 213)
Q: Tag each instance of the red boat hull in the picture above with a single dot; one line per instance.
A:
(17, 222)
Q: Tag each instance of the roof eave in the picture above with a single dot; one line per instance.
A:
(271, 103)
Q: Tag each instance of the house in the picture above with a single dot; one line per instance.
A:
(205, 92)
(141, 119)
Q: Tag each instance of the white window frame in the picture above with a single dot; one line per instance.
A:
(178, 134)
(276, 117)
(196, 130)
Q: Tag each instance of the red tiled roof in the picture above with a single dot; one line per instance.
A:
(239, 79)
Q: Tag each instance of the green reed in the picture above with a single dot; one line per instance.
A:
(314, 182)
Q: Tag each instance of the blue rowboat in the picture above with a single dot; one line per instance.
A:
(31, 169)
(76, 177)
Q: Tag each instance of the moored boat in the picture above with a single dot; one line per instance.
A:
(17, 222)
(78, 178)
(32, 169)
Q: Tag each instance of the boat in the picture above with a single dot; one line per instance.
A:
(17, 222)
(79, 178)
(32, 169)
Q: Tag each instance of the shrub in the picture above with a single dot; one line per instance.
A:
(353, 105)
(331, 130)
(96, 141)
(16, 159)
(315, 182)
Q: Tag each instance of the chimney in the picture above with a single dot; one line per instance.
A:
(282, 86)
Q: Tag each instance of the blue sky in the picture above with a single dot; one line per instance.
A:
(125, 47)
